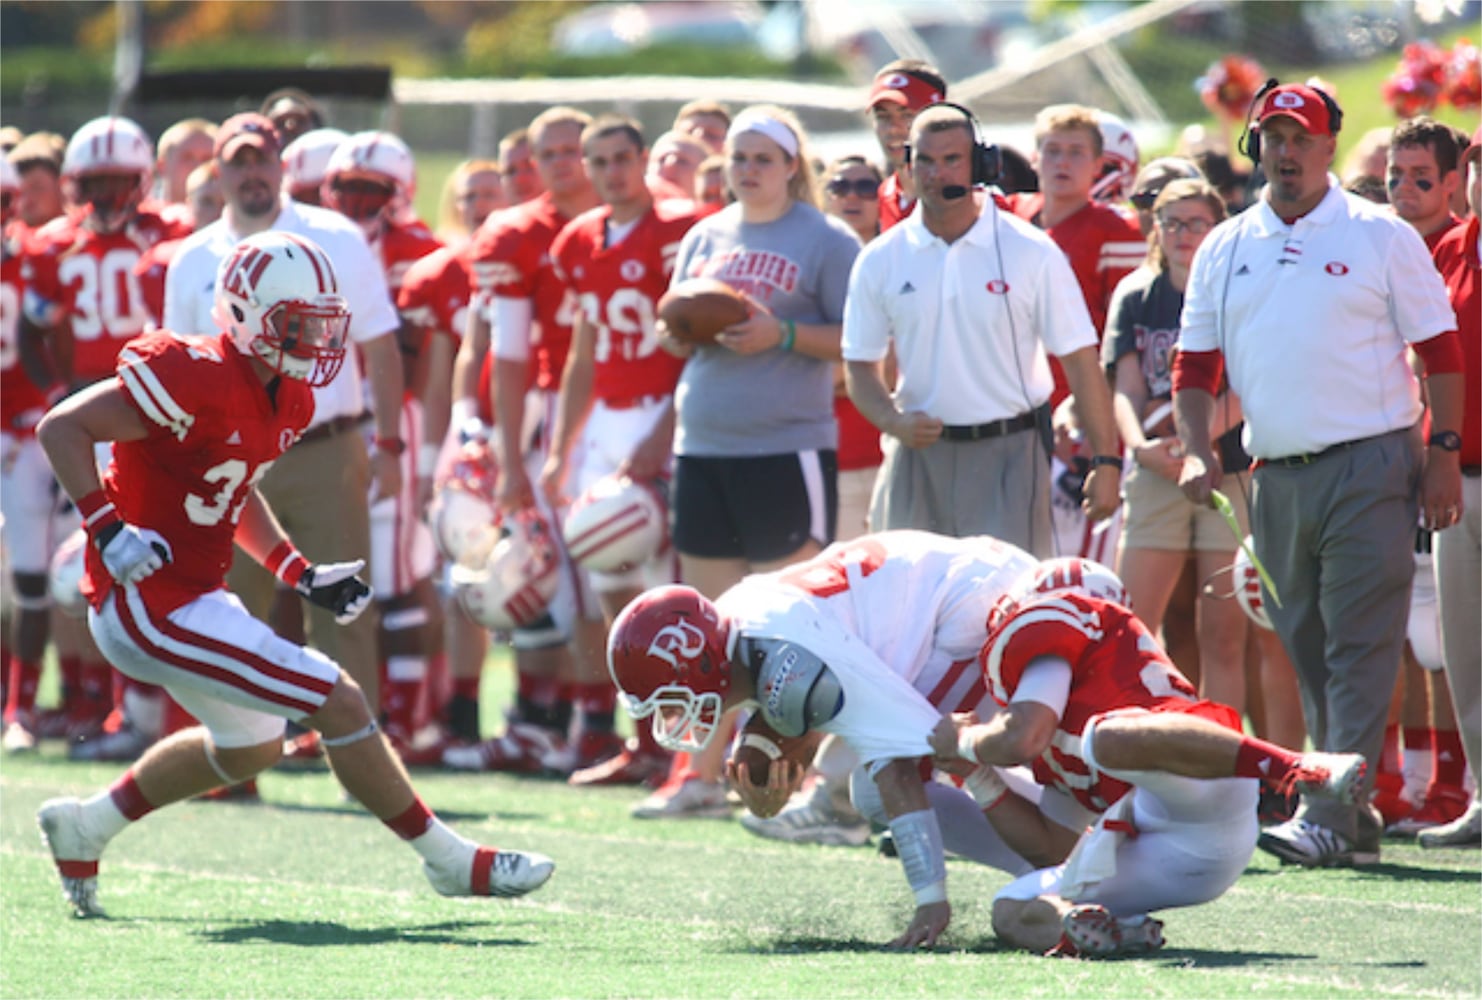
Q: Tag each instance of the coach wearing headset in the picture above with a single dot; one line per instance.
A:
(972, 299)
(1309, 300)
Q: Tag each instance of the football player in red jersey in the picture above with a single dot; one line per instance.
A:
(371, 179)
(83, 301)
(902, 90)
(616, 408)
(215, 412)
(527, 311)
(1091, 703)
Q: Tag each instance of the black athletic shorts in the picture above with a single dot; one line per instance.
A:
(759, 509)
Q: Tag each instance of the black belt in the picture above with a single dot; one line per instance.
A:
(1472, 471)
(992, 429)
(1297, 461)
(339, 425)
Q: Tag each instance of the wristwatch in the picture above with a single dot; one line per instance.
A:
(393, 445)
(1446, 440)
(1112, 460)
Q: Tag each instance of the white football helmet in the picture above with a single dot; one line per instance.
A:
(617, 525)
(464, 518)
(68, 567)
(371, 177)
(108, 165)
(10, 186)
(1072, 573)
(515, 583)
(277, 295)
(306, 162)
(1119, 161)
(1248, 588)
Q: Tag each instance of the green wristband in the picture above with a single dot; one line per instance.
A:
(790, 337)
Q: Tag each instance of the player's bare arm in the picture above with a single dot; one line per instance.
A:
(436, 410)
(383, 369)
(651, 456)
(1016, 735)
(46, 354)
(1193, 409)
(573, 407)
(918, 843)
(1440, 485)
(68, 432)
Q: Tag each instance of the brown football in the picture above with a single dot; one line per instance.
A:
(697, 309)
(757, 735)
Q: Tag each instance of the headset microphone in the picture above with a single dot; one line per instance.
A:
(987, 161)
(954, 191)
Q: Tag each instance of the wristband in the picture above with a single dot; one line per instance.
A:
(427, 459)
(97, 512)
(393, 445)
(986, 787)
(791, 336)
(966, 744)
(766, 746)
(918, 842)
(286, 563)
(1113, 460)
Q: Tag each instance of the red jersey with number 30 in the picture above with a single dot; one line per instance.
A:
(1115, 663)
(511, 259)
(213, 433)
(90, 281)
(618, 289)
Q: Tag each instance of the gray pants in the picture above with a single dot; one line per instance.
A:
(998, 487)
(1338, 539)
(1458, 566)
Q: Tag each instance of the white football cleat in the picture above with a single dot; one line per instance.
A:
(1095, 933)
(75, 853)
(691, 798)
(1335, 776)
(493, 873)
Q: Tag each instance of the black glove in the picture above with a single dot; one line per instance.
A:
(335, 586)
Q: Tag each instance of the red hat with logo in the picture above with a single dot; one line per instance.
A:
(906, 89)
(247, 129)
(1301, 103)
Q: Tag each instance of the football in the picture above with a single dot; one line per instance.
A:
(697, 309)
(761, 744)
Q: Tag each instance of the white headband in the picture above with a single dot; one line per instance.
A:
(773, 128)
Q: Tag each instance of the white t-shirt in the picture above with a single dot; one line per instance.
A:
(1313, 320)
(890, 614)
(190, 290)
(971, 321)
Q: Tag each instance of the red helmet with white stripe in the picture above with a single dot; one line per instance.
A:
(515, 583)
(617, 525)
(277, 295)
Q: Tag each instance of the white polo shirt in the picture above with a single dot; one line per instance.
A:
(1313, 320)
(190, 290)
(971, 321)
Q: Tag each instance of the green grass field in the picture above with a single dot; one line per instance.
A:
(304, 895)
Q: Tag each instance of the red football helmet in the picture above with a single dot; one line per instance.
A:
(667, 653)
(276, 294)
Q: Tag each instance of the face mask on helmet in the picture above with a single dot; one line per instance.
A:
(360, 199)
(306, 340)
(110, 197)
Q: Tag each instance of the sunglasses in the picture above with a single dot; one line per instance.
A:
(865, 187)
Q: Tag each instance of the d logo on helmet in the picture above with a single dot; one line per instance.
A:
(682, 640)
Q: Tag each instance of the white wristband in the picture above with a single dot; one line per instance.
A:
(967, 741)
(986, 787)
(427, 456)
(928, 894)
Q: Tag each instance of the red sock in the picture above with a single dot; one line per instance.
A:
(96, 689)
(1267, 761)
(1449, 762)
(399, 702)
(71, 669)
(128, 798)
(600, 697)
(1417, 739)
(413, 822)
(21, 694)
(1389, 758)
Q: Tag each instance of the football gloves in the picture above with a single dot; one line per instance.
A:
(132, 554)
(335, 587)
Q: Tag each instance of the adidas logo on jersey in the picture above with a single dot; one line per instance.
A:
(234, 438)
(907, 289)
(1243, 270)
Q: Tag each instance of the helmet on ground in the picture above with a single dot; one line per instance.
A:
(616, 525)
(306, 162)
(514, 584)
(276, 294)
(1248, 588)
(371, 177)
(464, 518)
(108, 162)
(667, 653)
(1119, 160)
(68, 567)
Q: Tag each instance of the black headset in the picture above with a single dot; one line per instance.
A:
(987, 159)
(1250, 137)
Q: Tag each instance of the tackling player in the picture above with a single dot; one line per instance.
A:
(215, 412)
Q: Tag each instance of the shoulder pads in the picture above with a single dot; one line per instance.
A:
(797, 691)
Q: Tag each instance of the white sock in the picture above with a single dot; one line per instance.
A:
(102, 818)
(442, 848)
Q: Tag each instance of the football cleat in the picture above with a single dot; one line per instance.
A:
(689, 798)
(493, 873)
(1464, 831)
(810, 821)
(20, 734)
(627, 767)
(1336, 776)
(1442, 805)
(123, 744)
(523, 749)
(423, 748)
(302, 752)
(1299, 842)
(75, 853)
(1092, 932)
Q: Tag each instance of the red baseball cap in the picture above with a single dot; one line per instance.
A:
(250, 129)
(1301, 103)
(904, 89)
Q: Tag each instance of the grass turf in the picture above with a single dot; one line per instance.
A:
(304, 895)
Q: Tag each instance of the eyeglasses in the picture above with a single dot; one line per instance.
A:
(865, 187)
(1194, 227)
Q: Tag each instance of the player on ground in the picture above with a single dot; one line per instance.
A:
(215, 412)
(870, 639)
(1094, 707)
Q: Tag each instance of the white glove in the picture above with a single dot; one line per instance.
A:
(132, 554)
(336, 587)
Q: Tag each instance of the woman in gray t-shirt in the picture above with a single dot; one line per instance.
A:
(754, 479)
